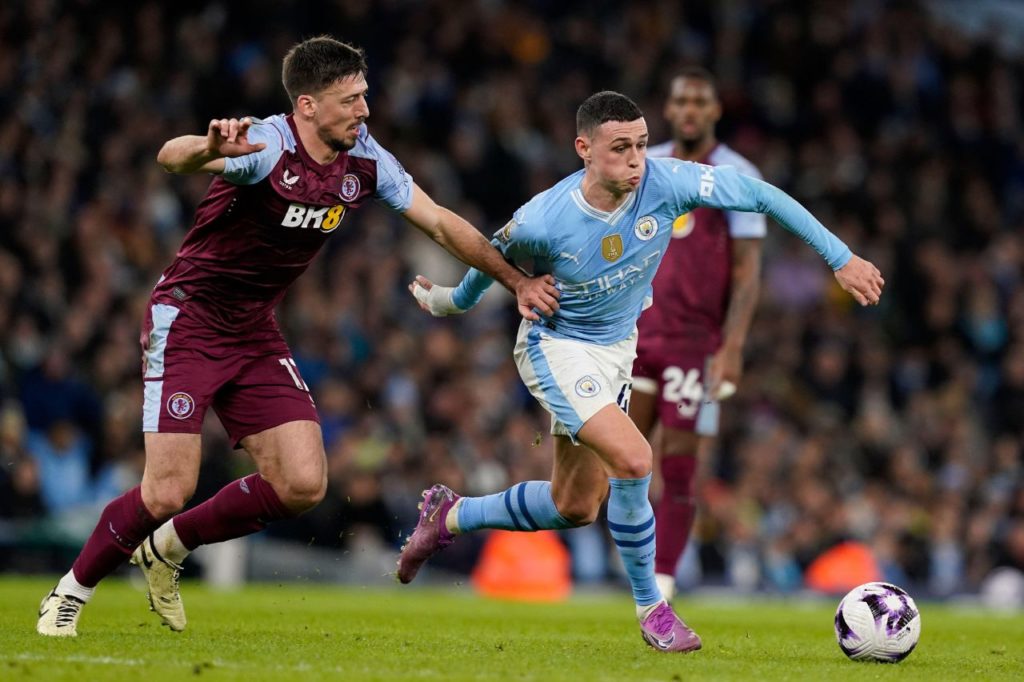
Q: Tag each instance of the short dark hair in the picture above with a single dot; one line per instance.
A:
(311, 66)
(605, 106)
(697, 73)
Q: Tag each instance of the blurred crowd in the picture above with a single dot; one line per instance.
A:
(900, 426)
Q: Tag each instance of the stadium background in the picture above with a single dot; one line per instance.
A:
(897, 123)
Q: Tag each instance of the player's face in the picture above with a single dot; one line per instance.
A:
(339, 110)
(692, 109)
(616, 154)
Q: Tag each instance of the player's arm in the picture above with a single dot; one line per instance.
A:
(464, 242)
(441, 301)
(225, 138)
(727, 363)
(725, 188)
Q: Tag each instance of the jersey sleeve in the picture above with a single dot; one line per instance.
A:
(251, 168)
(519, 239)
(394, 184)
(744, 225)
(523, 237)
(726, 188)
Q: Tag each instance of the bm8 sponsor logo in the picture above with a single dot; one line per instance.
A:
(323, 218)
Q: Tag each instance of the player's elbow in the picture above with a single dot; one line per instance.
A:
(162, 157)
(431, 228)
(165, 158)
(439, 236)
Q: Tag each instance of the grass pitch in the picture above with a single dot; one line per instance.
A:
(316, 632)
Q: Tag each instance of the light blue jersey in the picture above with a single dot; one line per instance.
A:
(604, 262)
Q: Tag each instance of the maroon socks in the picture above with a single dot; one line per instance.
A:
(675, 510)
(239, 508)
(125, 523)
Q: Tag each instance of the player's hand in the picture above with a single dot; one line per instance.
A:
(862, 280)
(436, 300)
(230, 137)
(724, 372)
(537, 293)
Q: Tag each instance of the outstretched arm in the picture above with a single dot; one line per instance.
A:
(464, 242)
(225, 137)
(724, 187)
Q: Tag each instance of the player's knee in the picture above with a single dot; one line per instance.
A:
(635, 469)
(304, 493)
(167, 500)
(636, 463)
(578, 512)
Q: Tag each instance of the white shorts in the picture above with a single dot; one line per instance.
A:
(573, 379)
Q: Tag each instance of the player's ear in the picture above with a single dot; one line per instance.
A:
(583, 148)
(305, 105)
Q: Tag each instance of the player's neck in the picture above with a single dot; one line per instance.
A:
(599, 196)
(694, 150)
(317, 149)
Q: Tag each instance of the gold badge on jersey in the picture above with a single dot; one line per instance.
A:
(611, 247)
(682, 226)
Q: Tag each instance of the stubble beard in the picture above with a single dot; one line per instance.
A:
(339, 145)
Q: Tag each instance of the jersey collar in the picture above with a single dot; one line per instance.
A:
(610, 217)
(318, 168)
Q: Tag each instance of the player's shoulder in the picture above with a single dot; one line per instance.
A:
(274, 131)
(535, 219)
(666, 169)
(724, 155)
(555, 198)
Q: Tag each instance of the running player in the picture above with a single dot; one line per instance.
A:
(601, 232)
(283, 186)
(690, 350)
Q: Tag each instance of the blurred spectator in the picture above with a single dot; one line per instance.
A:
(900, 426)
(20, 496)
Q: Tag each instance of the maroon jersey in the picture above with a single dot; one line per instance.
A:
(692, 286)
(265, 218)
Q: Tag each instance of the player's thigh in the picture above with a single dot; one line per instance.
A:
(172, 469)
(646, 386)
(185, 364)
(614, 438)
(643, 408)
(291, 458)
(267, 391)
(579, 481)
(573, 380)
(267, 409)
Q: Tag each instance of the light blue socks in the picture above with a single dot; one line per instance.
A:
(524, 506)
(631, 521)
(528, 506)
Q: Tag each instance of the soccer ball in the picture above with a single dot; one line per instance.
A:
(877, 622)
